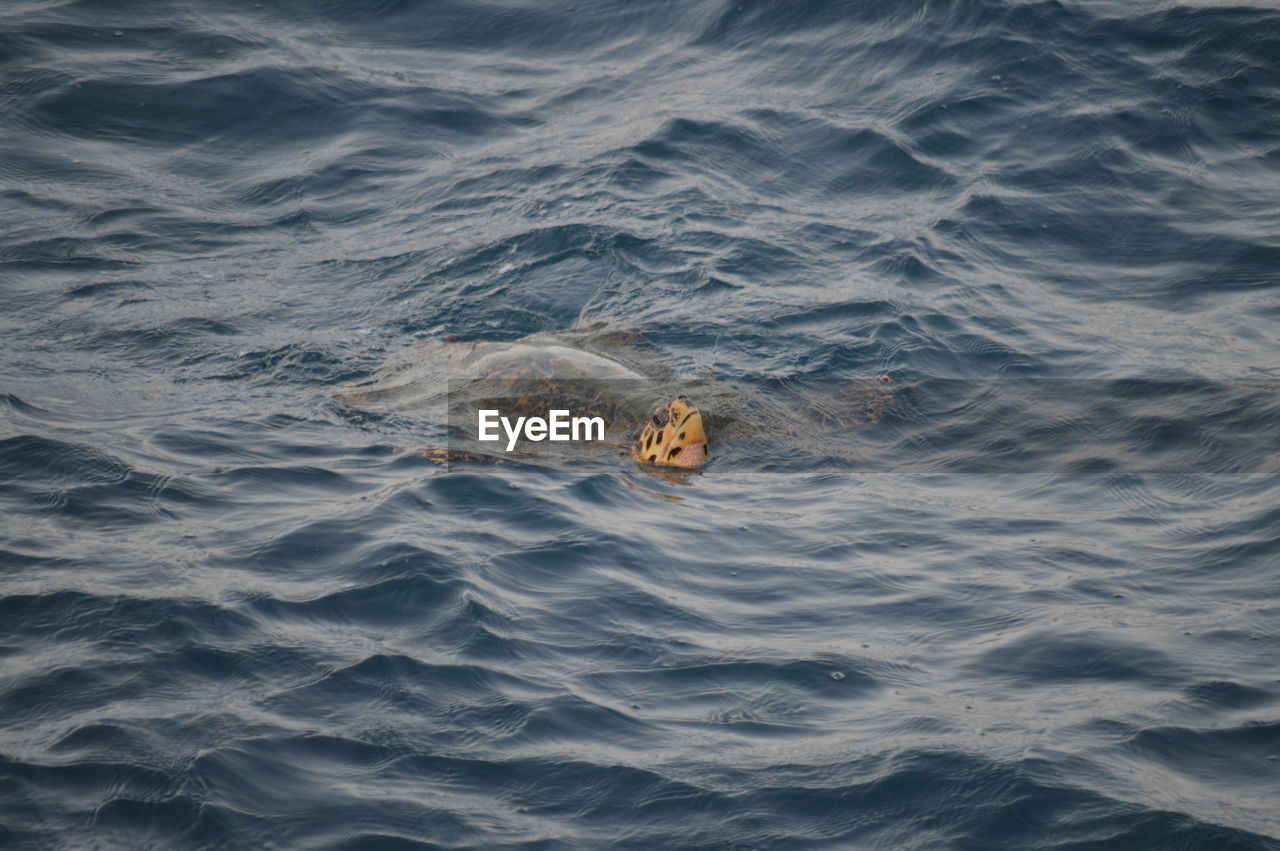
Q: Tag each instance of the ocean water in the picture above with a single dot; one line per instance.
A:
(236, 612)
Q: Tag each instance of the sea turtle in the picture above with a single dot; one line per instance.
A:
(648, 412)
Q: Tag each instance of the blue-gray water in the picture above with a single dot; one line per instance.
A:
(235, 615)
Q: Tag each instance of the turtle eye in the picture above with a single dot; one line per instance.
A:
(684, 398)
(661, 417)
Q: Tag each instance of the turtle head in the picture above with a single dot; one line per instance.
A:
(673, 437)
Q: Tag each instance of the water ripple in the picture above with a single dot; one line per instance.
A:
(237, 612)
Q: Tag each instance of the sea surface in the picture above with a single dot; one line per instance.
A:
(237, 612)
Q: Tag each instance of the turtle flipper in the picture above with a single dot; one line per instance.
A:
(445, 456)
(861, 401)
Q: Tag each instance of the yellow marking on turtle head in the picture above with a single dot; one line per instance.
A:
(673, 437)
